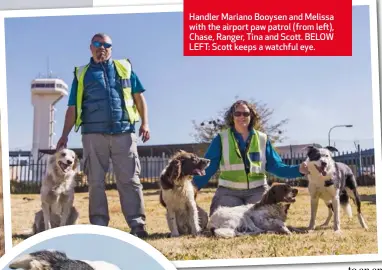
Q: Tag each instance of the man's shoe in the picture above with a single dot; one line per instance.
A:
(139, 231)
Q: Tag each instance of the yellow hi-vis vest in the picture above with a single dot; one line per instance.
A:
(232, 168)
(123, 68)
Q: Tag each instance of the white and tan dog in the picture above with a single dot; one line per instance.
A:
(57, 192)
(334, 183)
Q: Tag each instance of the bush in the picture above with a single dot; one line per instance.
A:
(26, 187)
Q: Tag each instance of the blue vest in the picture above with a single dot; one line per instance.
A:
(103, 103)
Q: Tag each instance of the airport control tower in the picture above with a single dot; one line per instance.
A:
(46, 92)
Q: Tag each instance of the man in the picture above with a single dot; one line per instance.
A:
(106, 100)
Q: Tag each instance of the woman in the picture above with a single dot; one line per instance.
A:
(243, 156)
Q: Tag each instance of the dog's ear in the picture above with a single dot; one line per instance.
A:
(24, 262)
(269, 197)
(180, 151)
(309, 148)
(331, 148)
(52, 159)
(76, 162)
(172, 172)
(174, 169)
(59, 149)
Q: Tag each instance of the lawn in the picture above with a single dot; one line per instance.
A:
(354, 240)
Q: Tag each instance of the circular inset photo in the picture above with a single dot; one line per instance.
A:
(84, 247)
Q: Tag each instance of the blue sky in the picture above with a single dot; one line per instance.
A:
(91, 247)
(315, 93)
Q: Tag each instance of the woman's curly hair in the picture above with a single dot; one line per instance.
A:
(228, 117)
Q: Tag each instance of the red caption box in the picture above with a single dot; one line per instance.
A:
(267, 28)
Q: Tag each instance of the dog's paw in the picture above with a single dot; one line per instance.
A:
(196, 231)
(196, 234)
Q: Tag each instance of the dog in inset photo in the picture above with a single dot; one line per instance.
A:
(57, 192)
(55, 260)
(178, 194)
(334, 183)
(266, 216)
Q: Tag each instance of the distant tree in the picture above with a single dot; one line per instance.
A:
(205, 131)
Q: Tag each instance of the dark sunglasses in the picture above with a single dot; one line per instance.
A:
(98, 44)
(238, 114)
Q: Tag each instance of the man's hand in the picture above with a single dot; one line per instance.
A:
(70, 118)
(62, 143)
(144, 132)
(304, 168)
(140, 101)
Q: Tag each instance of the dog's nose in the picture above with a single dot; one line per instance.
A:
(69, 162)
(323, 164)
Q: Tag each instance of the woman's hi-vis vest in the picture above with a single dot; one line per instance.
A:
(233, 174)
(123, 68)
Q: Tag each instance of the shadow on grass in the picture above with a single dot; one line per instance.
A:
(22, 236)
(156, 236)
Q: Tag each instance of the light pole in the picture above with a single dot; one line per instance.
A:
(347, 126)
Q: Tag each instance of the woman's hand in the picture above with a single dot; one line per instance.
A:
(304, 168)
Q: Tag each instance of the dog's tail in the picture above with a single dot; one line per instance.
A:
(345, 203)
(223, 232)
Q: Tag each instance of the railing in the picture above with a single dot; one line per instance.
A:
(26, 175)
